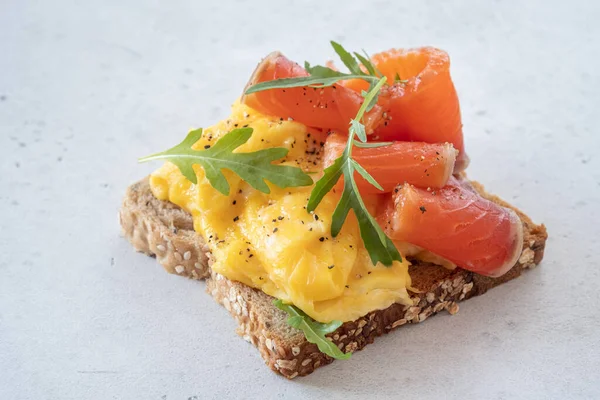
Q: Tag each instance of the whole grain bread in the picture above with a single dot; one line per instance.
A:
(163, 230)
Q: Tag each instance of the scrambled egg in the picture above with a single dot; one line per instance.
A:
(270, 241)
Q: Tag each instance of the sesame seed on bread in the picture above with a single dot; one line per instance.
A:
(162, 230)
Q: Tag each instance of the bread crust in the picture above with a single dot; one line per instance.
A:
(162, 230)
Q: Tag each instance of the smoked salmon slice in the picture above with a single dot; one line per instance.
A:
(457, 224)
(423, 105)
(417, 163)
(325, 108)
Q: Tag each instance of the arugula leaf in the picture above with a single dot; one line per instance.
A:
(313, 331)
(367, 63)
(397, 79)
(367, 104)
(352, 64)
(359, 129)
(374, 99)
(322, 72)
(368, 57)
(321, 76)
(347, 58)
(339, 167)
(369, 96)
(380, 247)
(254, 167)
(371, 145)
(365, 174)
(328, 79)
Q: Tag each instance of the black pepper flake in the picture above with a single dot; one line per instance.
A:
(207, 146)
(280, 217)
(275, 230)
(396, 190)
(310, 230)
(240, 191)
(316, 217)
(321, 239)
(250, 255)
(423, 209)
(347, 286)
(236, 219)
(236, 125)
(330, 267)
(234, 202)
(369, 273)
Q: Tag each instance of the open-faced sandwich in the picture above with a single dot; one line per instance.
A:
(331, 207)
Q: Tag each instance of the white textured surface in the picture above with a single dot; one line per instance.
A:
(84, 90)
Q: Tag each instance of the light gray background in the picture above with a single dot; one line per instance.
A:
(87, 87)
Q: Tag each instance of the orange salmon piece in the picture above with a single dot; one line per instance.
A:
(417, 163)
(458, 224)
(328, 108)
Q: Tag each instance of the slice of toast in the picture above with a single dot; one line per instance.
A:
(163, 230)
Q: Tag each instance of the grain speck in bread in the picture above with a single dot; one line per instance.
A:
(163, 230)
